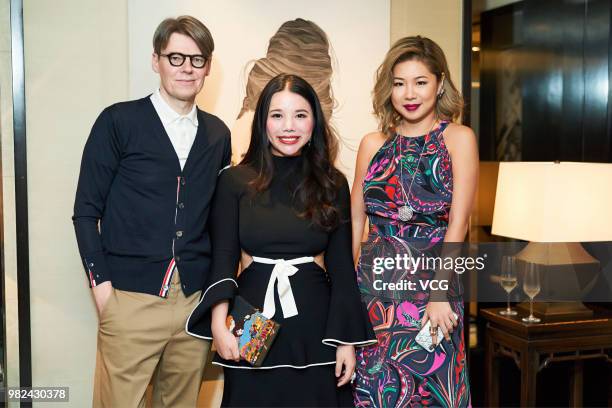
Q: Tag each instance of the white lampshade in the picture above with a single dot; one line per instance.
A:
(554, 202)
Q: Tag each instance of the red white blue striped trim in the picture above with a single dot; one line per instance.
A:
(167, 277)
(163, 292)
(91, 279)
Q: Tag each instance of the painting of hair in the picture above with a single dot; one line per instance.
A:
(299, 47)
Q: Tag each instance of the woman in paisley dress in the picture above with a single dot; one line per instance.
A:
(422, 161)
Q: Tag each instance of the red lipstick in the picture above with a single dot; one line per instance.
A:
(288, 140)
(412, 107)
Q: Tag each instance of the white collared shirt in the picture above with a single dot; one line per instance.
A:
(181, 129)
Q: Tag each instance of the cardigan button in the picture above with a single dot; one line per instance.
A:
(183, 181)
(179, 234)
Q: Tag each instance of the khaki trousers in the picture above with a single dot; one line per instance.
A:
(142, 337)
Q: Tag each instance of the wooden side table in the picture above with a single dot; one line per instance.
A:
(534, 346)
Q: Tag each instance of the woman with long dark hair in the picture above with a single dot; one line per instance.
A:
(284, 213)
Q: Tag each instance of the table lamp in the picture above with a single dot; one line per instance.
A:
(556, 206)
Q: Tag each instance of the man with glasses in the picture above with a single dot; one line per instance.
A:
(147, 177)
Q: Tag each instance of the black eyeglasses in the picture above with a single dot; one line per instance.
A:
(177, 59)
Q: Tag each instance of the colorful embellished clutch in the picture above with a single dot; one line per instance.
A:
(254, 332)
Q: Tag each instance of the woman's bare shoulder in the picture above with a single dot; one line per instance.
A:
(371, 143)
(458, 131)
(459, 137)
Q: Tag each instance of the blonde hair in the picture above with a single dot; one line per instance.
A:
(299, 47)
(448, 106)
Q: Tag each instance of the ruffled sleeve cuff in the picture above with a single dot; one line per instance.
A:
(348, 324)
(198, 322)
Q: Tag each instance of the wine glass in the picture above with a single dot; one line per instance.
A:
(531, 287)
(508, 281)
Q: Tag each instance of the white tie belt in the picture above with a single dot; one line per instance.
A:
(283, 269)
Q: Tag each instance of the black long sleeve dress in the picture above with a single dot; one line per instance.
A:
(299, 368)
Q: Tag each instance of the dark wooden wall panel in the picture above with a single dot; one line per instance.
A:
(569, 122)
(500, 32)
(596, 141)
(542, 80)
(565, 56)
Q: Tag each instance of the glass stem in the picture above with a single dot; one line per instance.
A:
(508, 304)
(531, 308)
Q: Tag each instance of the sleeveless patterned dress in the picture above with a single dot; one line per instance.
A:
(397, 372)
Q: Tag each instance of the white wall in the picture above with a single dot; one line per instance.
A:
(440, 20)
(357, 29)
(76, 64)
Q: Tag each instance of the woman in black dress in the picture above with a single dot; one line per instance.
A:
(284, 212)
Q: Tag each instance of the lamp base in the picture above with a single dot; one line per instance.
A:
(557, 310)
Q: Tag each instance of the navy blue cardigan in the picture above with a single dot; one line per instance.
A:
(136, 214)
